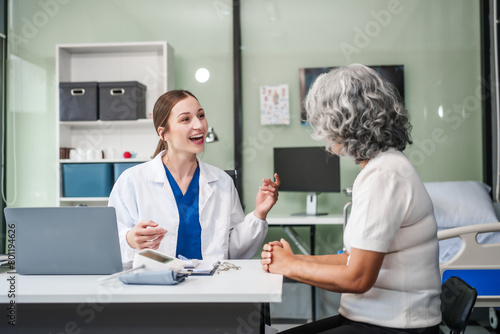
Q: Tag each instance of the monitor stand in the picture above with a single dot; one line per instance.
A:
(311, 206)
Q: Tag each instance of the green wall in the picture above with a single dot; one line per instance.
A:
(438, 42)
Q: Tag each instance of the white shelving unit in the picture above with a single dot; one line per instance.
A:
(150, 63)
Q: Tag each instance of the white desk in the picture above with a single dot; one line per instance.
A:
(290, 221)
(305, 220)
(225, 302)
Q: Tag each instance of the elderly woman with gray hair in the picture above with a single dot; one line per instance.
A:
(389, 275)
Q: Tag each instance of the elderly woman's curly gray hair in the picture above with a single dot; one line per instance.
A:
(354, 106)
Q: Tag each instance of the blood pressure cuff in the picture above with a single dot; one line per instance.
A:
(164, 277)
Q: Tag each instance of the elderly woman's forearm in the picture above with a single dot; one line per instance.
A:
(332, 277)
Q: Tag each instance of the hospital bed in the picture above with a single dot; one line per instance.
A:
(469, 238)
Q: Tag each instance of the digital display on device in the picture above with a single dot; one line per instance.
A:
(156, 257)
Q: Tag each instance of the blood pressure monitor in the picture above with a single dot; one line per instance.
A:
(156, 261)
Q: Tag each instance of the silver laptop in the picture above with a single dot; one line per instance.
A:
(65, 240)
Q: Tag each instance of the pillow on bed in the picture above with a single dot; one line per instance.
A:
(461, 203)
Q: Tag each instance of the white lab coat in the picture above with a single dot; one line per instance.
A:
(143, 192)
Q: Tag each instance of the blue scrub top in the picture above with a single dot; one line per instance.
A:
(189, 233)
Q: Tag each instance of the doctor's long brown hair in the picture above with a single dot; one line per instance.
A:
(162, 110)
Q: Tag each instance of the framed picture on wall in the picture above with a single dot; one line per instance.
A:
(392, 73)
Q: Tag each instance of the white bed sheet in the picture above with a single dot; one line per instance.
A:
(462, 203)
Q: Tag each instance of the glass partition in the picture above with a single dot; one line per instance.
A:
(437, 42)
(199, 31)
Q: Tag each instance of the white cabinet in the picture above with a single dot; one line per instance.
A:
(150, 63)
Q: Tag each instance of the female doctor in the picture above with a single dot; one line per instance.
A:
(179, 205)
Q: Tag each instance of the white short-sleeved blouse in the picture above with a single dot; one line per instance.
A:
(393, 214)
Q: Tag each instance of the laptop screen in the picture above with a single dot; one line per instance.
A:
(65, 240)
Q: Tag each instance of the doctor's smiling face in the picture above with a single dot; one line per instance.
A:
(186, 127)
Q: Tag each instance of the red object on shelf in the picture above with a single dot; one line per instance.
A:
(127, 155)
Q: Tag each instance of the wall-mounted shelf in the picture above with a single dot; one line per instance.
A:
(84, 199)
(69, 161)
(146, 122)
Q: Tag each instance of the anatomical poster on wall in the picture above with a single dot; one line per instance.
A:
(274, 105)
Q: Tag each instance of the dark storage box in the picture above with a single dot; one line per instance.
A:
(78, 101)
(87, 179)
(119, 168)
(122, 100)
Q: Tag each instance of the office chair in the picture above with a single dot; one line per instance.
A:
(457, 302)
(233, 173)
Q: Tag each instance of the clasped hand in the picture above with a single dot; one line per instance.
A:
(277, 257)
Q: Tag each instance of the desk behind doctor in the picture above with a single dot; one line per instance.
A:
(223, 303)
(289, 222)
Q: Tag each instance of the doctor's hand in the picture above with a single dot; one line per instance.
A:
(277, 257)
(267, 196)
(146, 234)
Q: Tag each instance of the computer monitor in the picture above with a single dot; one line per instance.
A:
(307, 169)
